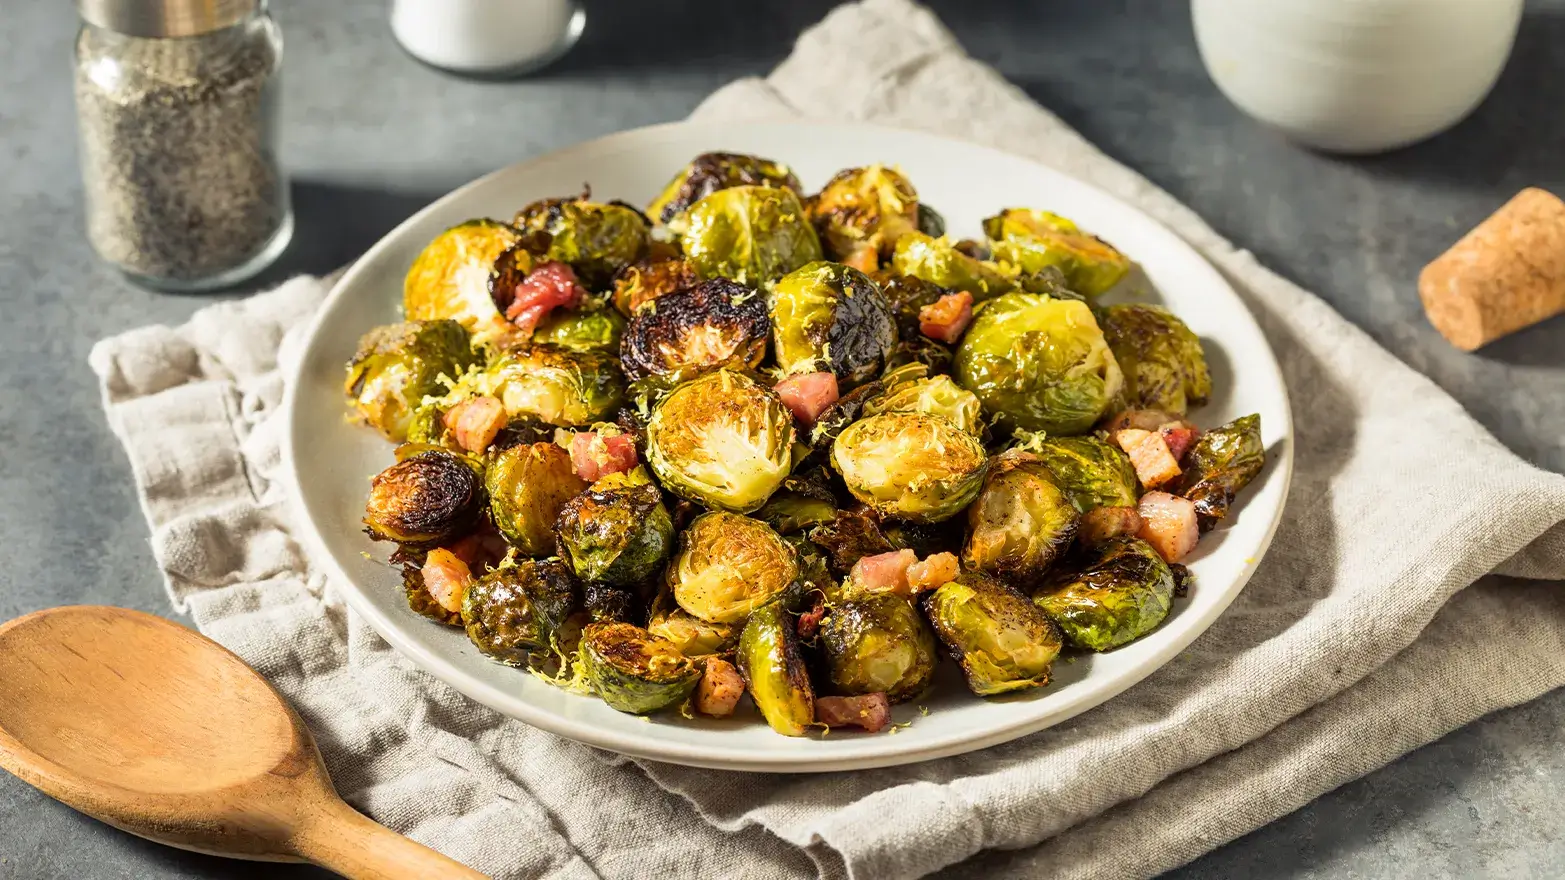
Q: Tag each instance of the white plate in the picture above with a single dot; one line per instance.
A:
(330, 462)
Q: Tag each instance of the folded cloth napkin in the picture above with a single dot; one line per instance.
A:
(1370, 628)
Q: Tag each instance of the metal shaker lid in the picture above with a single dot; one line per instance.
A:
(166, 18)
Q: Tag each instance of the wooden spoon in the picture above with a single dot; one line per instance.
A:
(160, 731)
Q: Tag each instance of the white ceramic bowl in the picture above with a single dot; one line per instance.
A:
(330, 462)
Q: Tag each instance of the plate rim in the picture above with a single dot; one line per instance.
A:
(309, 534)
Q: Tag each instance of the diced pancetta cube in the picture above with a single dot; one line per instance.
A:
(1168, 523)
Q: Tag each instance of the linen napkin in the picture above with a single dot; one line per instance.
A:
(1371, 627)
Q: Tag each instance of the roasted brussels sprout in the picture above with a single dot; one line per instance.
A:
(800, 505)
(864, 211)
(519, 608)
(593, 329)
(450, 278)
(939, 262)
(528, 484)
(710, 172)
(1038, 363)
(827, 317)
(930, 222)
(728, 565)
(1116, 592)
(1035, 240)
(934, 356)
(935, 396)
(616, 535)
(716, 323)
(419, 599)
(398, 365)
(1094, 473)
(910, 465)
(907, 296)
(423, 499)
(1221, 463)
(877, 642)
(1001, 641)
(1160, 357)
(645, 280)
(774, 671)
(633, 670)
(852, 535)
(596, 240)
(1021, 522)
(555, 385)
(694, 637)
(751, 234)
(613, 602)
(723, 440)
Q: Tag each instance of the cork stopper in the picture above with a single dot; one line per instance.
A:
(1506, 274)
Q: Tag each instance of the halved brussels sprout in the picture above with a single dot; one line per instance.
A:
(1160, 357)
(398, 365)
(1094, 473)
(423, 499)
(528, 484)
(1116, 592)
(615, 535)
(723, 440)
(864, 210)
(728, 565)
(694, 637)
(450, 278)
(519, 608)
(645, 280)
(1221, 463)
(751, 234)
(1036, 240)
(910, 465)
(592, 329)
(555, 385)
(710, 172)
(774, 671)
(827, 317)
(1002, 642)
(939, 262)
(935, 396)
(1038, 363)
(1022, 521)
(714, 324)
(597, 240)
(878, 642)
(633, 670)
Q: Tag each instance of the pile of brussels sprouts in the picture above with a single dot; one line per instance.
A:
(750, 440)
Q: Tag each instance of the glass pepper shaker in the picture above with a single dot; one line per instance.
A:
(176, 105)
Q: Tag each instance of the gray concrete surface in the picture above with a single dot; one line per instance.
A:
(370, 137)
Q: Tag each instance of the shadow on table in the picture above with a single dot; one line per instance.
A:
(336, 223)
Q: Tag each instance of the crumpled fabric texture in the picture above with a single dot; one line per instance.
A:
(1406, 592)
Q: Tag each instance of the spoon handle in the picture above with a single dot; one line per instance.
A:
(345, 841)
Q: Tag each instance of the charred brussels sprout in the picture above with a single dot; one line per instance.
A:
(930, 222)
(864, 210)
(633, 670)
(939, 262)
(596, 240)
(791, 510)
(646, 280)
(596, 329)
(616, 535)
(1036, 240)
(936, 396)
(555, 385)
(1160, 357)
(528, 484)
(774, 671)
(1021, 522)
(907, 296)
(1038, 363)
(878, 642)
(1002, 642)
(1093, 472)
(1221, 463)
(714, 324)
(827, 317)
(910, 465)
(518, 609)
(398, 365)
(450, 278)
(423, 499)
(854, 534)
(710, 172)
(728, 565)
(723, 440)
(751, 234)
(1117, 592)
(694, 637)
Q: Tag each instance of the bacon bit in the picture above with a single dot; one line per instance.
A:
(807, 395)
(932, 572)
(720, 688)
(1168, 523)
(1107, 522)
(885, 572)
(810, 621)
(1149, 454)
(595, 456)
(946, 318)
(546, 287)
(864, 258)
(446, 578)
(870, 711)
(474, 423)
(1180, 436)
